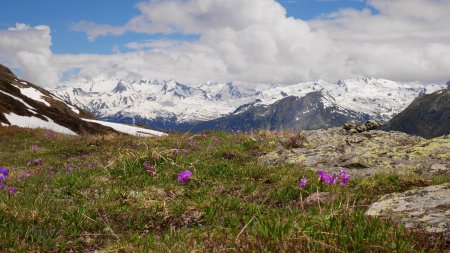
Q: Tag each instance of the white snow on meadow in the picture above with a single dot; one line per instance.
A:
(34, 94)
(137, 131)
(34, 122)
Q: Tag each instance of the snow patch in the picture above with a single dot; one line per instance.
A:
(34, 94)
(34, 122)
(137, 131)
(19, 99)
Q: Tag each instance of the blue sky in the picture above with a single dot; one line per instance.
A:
(60, 15)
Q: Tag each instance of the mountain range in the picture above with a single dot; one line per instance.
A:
(171, 105)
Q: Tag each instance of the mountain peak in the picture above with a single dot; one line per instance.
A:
(121, 87)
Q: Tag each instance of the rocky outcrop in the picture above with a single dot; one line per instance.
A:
(366, 153)
(358, 127)
(425, 208)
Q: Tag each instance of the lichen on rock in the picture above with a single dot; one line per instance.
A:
(426, 208)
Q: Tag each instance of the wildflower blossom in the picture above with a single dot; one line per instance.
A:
(192, 143)
(215, 139)
(36, 162)
(147, 165)
(1, 186)
(345, 177)
(91, 165)
(302, 182)
(334, 178)
(176, 150)
(26, 174)
(184, 176)
(323, 176)
(12, 190)
(69, 169)
(29, 163)
(49, 133)
(151, 171)
(204, 135)
(4, 171)
(2, 177)
(186, 150)
(34, 147)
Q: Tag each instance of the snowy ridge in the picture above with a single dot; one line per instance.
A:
(154, 99)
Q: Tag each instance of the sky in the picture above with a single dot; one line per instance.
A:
(50, 42)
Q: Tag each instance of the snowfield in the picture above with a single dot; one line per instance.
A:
(34, 122)
(136, 131)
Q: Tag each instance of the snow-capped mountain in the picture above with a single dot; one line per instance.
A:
(173, 105)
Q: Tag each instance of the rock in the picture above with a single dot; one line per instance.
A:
(366, 153)
(426, 208)
(372, 125)
(351, 125)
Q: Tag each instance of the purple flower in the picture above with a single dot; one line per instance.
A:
(147, 165)
(26, 174)
(204, 135)
(151, 171)
(184, 176)
(12, 190)
(49, 134)
(302, 182)
(34, 147)
(334, 178)
(29, 163)
(323, 176)
(91, 165)
(69, 169)
(2, 177)
(345, 177)
(176, 150)
(36, 162)
(186, 150)
(215, 139)
(4, 171)
(192, 143)
(1, 186)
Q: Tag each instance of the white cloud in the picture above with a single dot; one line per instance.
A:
(254, 41)
(28, 48)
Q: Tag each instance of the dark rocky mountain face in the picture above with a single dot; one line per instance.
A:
(427, 116)
(46, 107)
(313, 111)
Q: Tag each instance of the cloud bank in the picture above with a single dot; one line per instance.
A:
(254, 41)
(28, 48)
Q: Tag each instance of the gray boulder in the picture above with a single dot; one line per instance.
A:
(426, 208)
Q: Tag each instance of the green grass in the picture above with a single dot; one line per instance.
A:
(231, 204)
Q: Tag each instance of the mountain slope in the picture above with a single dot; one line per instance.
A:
(427, 116)
(24, 104)
(315, 110)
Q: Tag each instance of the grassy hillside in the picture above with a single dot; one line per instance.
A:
(95, 193)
